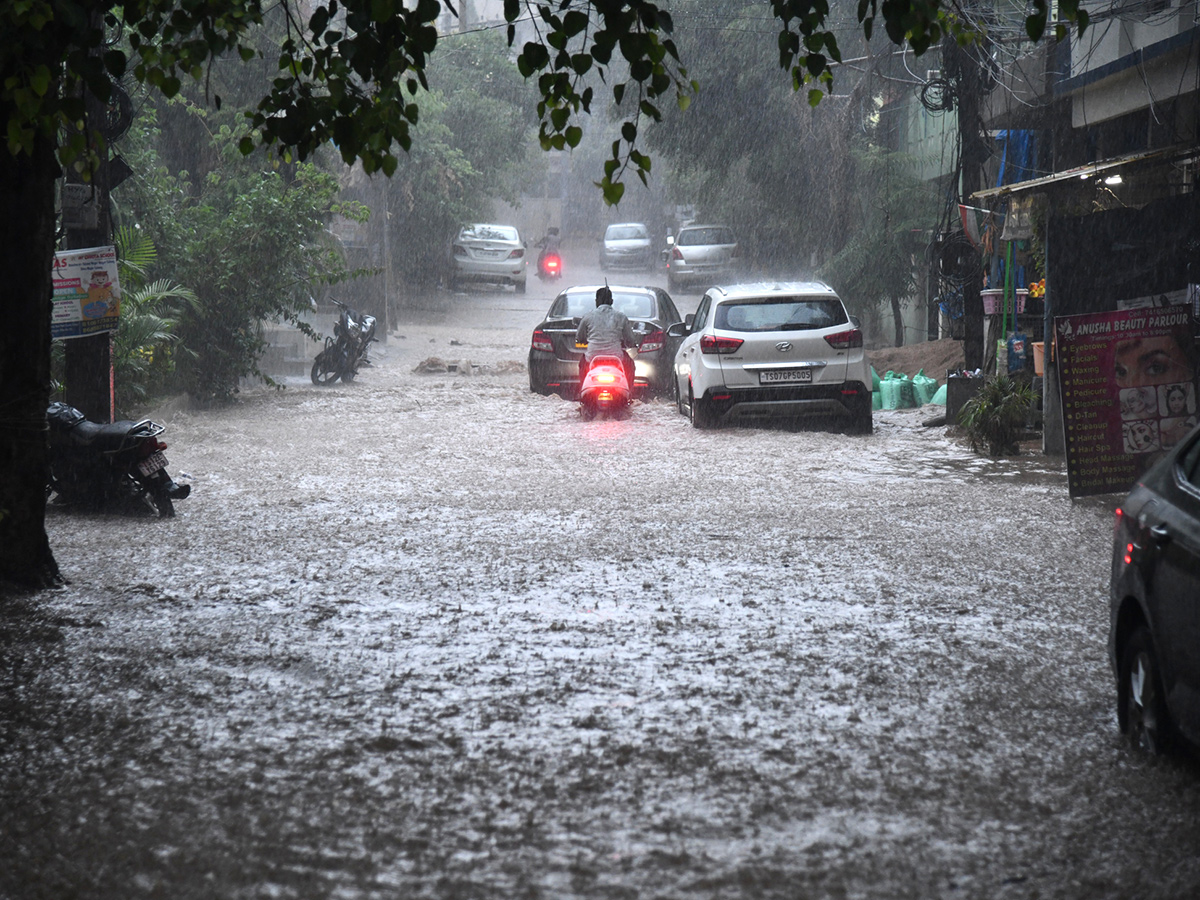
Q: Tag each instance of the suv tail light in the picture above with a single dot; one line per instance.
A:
(711, 343)
(675, 253)
(653, 341)
(844, 340)
(541, 341)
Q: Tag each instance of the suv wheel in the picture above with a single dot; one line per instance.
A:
(861, 421)
(699, 412)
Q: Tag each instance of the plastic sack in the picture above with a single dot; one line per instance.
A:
(876, 400)
(924, 388)
(939, 396)
(897, 391)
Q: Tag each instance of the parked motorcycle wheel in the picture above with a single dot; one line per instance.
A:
(327, 368)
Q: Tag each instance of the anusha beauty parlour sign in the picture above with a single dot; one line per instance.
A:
(1128, 385)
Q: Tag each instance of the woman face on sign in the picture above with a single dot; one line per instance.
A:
(1151, 360)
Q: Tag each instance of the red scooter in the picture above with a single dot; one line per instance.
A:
(604, 389)
(549, 266)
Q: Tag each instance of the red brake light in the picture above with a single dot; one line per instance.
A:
(552, 263)
(541, 341)
(711, 343)
(844, 340)
(1128, 554)
(653, 341)
(675, 254)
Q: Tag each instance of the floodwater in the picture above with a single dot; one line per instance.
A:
(432, 635)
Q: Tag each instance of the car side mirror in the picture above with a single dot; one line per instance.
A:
(689, 320)
(854, 320)
(678, 330)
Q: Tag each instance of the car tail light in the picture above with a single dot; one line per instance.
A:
(675, 254)
(711, 343)
(844, 340)
(541, 341)
(651, 342)
(516, 254)
(460, 250)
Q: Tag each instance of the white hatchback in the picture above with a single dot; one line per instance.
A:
(772, 351)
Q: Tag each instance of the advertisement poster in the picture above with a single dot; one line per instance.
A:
(1128, 385)
(87, 295)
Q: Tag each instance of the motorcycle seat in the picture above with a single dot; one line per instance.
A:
(109, 436)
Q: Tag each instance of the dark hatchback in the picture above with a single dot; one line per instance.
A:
(554, 359)
(1154, 635)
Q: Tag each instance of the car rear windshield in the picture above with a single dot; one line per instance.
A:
(489, 233)
(634, 305)
(699, 237)
(624, 232)
(780, 314)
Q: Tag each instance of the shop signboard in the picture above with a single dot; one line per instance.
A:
(87, 294)
(1127, 379)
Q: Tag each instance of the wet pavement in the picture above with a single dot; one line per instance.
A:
(432, 635)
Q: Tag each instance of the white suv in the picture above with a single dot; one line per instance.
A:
(783, 351)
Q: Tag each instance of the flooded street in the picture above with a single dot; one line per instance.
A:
(429, 634)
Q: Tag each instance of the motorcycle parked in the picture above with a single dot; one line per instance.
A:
(604, 389)
(346, 350)
(116, 465)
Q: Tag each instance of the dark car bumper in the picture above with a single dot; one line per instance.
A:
(550, 375)
(793, 401)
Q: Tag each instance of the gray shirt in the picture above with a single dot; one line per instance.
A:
(606, 332)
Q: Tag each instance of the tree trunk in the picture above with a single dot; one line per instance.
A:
(898, 320)
(27, 235)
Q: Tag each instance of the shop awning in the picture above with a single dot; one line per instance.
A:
(1170, 154)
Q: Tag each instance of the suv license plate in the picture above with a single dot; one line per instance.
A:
(782, 376)
(152, 463)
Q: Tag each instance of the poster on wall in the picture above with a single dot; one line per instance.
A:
(87, 294)
(1128, 384)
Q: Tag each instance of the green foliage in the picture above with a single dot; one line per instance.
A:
(246, 234)
(995, 417)
(349, 76)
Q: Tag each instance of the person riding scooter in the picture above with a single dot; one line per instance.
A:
(549, 246)
(606, 332)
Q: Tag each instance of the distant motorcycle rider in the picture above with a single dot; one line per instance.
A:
(549, 245)
(607, 332)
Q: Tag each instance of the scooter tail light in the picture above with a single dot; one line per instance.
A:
(711, 343)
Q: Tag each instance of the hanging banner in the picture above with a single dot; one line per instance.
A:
(87, 294)
(1128, 385)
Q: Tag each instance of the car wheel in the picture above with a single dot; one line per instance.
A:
(698, 412)
(861, 421)
(1140, 695)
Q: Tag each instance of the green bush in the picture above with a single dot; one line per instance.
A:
(995, 417)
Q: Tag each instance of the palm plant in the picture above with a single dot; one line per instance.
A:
(145, 345)
(995, 417)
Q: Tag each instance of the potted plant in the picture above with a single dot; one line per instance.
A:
(995, 417)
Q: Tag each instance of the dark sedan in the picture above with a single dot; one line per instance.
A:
(1154, 636)
(554, 359)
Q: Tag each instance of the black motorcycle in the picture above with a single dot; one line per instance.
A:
(346, 350)
(109, 466)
